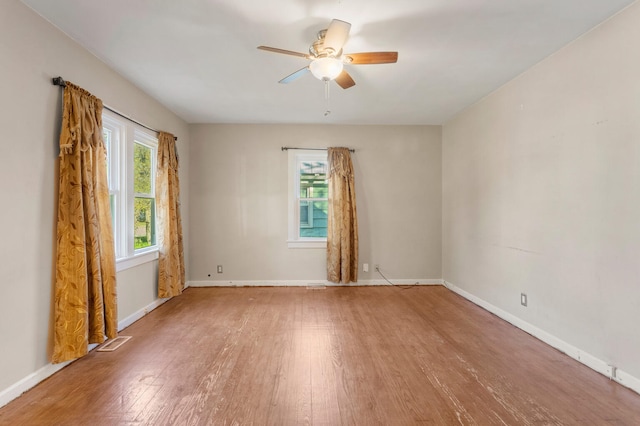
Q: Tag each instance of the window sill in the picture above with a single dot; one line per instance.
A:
(307, 244)
(137, 259)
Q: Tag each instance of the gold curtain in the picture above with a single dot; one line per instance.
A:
(171, 277)
(85, 306)
(342, 226)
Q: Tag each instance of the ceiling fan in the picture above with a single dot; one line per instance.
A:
(327, 59)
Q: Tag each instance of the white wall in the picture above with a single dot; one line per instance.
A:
(238, 212)
(541, 194)
(31, 53)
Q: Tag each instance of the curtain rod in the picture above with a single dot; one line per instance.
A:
(59, 81)
(286, 148)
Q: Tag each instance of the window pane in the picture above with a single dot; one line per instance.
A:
(144, 229)
(142, 172)
(306, 219)
(313, 219)
(313, 179)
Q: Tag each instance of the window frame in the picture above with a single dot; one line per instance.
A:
(295, 157)
(120, 157)
(115, 177)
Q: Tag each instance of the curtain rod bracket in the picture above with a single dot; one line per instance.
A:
(59, 81)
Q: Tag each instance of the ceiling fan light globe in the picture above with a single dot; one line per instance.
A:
(326, 68)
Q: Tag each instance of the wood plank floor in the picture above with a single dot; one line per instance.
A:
(339, 356)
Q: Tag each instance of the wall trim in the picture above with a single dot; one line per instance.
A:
(21, 386)
(304, 283)
(126, 322)
(579, 355)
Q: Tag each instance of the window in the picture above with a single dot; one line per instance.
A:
(131, 171)
(308, 199)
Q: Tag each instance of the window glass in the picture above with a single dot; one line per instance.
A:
(142, 171)
(313, 179)
(144, 234)
(144, 200)
(313, 205)
(313, 219)
(308, 202)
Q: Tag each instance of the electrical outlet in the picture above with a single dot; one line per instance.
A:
(219, 269)
(523, 299)
(365, 267)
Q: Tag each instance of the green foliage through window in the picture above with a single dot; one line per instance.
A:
(142, 163)
(144, 201)
(144, 222)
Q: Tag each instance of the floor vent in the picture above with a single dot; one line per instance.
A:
(113, 344)
(316, 287)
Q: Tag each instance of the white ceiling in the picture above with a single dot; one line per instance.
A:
(199, 57)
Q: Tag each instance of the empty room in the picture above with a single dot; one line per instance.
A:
(337, 212)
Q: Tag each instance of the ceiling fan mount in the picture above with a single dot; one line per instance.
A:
(327, 59)
(318, 49)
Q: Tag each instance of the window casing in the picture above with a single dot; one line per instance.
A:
(308, 199)
(131, 171)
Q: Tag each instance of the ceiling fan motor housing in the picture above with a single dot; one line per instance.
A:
(318, 50)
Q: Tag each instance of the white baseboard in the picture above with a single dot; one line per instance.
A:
(126, 322)
(21, 386)
(304, 283)
(585, 358)
(627, 380)
(12, 392)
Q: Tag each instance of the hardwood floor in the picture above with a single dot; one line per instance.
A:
(339, 356)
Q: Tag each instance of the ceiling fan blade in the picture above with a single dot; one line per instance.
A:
(337, 35)
(344, 80)
(296, 75)
(371, 58)
(283, 51)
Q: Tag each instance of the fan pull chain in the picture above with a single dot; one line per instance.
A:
(326, 96)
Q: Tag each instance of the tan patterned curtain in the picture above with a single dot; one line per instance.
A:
(85, 306)
(342, 226)
(171, 278)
